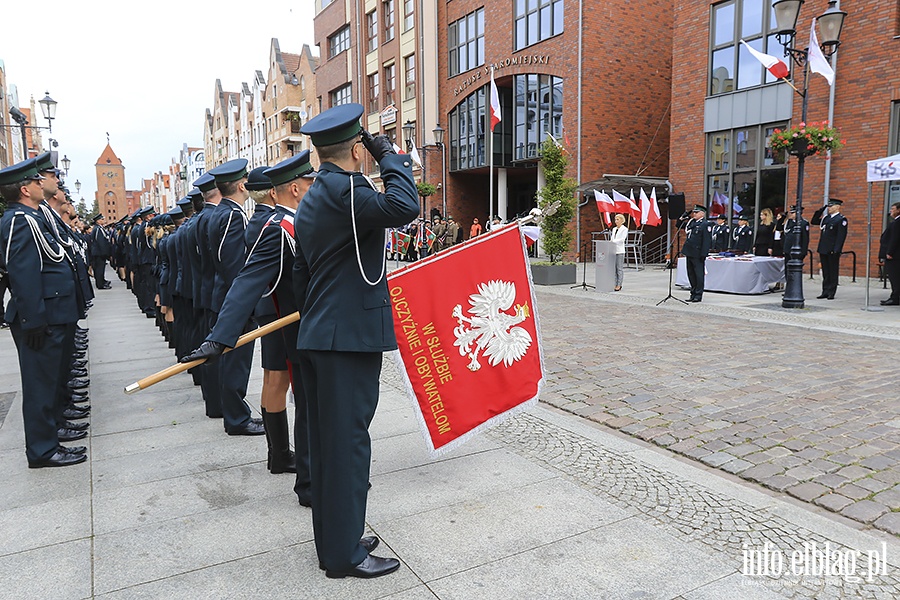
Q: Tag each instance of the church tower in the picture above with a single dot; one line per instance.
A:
(111, 186)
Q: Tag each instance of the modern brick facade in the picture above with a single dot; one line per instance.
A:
(866, 101)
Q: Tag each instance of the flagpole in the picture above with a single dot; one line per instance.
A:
(490, 132)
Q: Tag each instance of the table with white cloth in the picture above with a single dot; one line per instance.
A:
(737, 274)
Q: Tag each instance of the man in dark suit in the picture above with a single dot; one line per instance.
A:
(42, 312)
(831, 244)
(101, 248)
(889, 254)
(789, 235)
(346, 325)
(696, 248)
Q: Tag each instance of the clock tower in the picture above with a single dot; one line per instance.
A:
(111, 186)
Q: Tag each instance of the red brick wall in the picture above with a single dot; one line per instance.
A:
(626, 89)
(868, 80)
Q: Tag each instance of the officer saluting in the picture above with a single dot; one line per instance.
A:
(346, 325)
(42, 312)
(720, 235)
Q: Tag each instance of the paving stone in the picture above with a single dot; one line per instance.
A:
(760, 472)
(890, 498)
(826, 466)
(889, 522)
(717, 459)
(865, 511)
(795, 445)
(873, 485)
(736, 466)
(855, 472)
(778, 452)
(878, 463)
(807, 491)
(778, 482)
(803, 473)
(744, 449)
(831, 480)
(833, 502)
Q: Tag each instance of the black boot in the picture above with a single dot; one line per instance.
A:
(268, 425)
(282, 455)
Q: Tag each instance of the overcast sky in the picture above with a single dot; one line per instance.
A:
(145, 71)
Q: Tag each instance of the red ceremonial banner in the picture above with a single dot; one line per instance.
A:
(468, 333)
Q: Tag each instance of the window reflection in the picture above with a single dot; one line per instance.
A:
(722, 71)
(538, 110)
(749, 69)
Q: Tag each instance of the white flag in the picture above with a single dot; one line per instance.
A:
(414, 154)
(817, 61)
(495, 103)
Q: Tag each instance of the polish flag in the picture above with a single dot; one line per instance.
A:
(654, 218)
(645, 206)
(495, 103)
(531, 233)
(626, 206)
(636, 211)
(817, 61)
(605, 205)
(775, 66)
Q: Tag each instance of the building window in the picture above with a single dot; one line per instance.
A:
(372, 31)
(339, 42)
(390, 83)
(538, 110)
(374, 93)
(388, 11)
(326, 3)
(409, 20)
(341, 95)
(409, 83)
(743, 174)
(467, 132)
(537, 20)
(467, 42)
(731, 66)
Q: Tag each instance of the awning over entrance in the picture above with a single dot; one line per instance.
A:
(624, 183)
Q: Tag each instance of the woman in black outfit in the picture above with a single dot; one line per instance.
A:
(765, 233)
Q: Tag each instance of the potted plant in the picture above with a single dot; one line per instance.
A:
(557, 236)
(806, 139)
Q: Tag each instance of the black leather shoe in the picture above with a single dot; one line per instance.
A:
(79, 398)
(251, 427)
(830, 297)
(890, 303)
(78, 355)
(71, 449)
(76, 426)
(59, 459)
(79, 383)
(372, 566)
(822, 296)
(70, 435)
(105, 286)
(75, 413)
(76, 373)
(82, 329)
(370, 542)
(79, 364)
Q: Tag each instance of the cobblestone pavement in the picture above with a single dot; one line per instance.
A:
(821, 423)
(721, 525)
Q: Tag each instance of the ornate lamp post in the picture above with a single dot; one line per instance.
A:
(48, 108)
(438, 132)
(830, 24)
(65, 163)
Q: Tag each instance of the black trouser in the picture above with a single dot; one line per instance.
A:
(831, 264)
(40, 371)
(696, 272)
(892, 269)
(98, 264)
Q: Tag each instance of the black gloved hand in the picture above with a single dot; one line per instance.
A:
(208, 350)
(34, 338)
(378, 146)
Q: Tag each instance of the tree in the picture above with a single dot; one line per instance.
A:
(557, 234)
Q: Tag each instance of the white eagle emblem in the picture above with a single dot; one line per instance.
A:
(490, 329)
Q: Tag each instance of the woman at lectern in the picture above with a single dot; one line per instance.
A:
(618, 236)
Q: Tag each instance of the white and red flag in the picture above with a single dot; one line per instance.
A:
(605, 205)
(636, 211)
(817, 61)
(495, 103)
(654, 218)
(777, 67)
(531, 233)
(470, 352)
(626, 206)
(645, 206)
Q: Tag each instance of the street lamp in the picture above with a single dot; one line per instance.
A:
(65, 162)
(48, 107)
(831, 22)
(409, 132)
(438, 132)
(77, 187)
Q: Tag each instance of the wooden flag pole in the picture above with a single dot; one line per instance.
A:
(182, 367)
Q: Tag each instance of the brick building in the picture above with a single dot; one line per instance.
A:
(110, 195)
(289, 100)
(725, 106)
